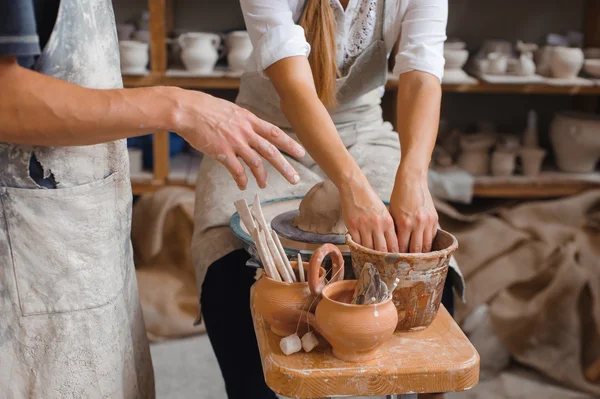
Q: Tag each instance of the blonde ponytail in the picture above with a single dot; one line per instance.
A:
(319, 24)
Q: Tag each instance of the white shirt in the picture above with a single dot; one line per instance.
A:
(420, 24)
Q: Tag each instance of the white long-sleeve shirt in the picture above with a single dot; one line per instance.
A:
(420, 24)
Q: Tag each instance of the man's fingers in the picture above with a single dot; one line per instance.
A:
(272, 154)
(367, 238)
(392, 241)
(416, 240)
(234, 167)
(355, 234)
(380, 242)
(254, 161)
(427, 239)
(278, 137)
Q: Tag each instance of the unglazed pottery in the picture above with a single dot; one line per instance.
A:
(455, 58)
(503, 163)
(566, 62)
(531, 160)
(576, 141)
(199, 51)
(496, 46)
(281, 304)
(239, 49)
(525, 65)
(355, 332)
(316, 261)
(474, 157)
(134, 56)
(592, 67)
(497, 63)
(418, 295)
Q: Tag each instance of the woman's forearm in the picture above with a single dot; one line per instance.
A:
(419, 98)
(292, 79)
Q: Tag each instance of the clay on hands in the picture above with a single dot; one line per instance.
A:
(321, 210)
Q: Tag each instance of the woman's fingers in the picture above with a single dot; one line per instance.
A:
(254, 161)
(234, 166)
(275, 158)
(277, 137)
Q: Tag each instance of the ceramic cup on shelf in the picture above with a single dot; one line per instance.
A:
(199, 51)
(531, 160)
(566, 62)
(239, 49)
(134, 56)
(503, 163)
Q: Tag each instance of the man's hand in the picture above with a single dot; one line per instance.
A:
(227, 132)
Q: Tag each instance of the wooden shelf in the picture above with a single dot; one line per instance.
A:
(226, 83)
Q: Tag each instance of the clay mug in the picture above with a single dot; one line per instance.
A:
(418, 295)
(355, 332)
(281, 304)
(199, 51)
(566, 62)
(531, 160)
(503, 163)
(239, 50)
(134, 56)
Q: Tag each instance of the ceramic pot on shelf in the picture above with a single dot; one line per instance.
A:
(134, 56)
(531, 160)
(199, 51)
(576, 141)
(503, 163)
(566, 62)
(474, 157)
(455, 59)
(239, 49)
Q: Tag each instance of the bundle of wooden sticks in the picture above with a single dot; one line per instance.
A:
(271, 252)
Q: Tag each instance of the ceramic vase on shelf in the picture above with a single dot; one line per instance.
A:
(531, 160)
(134, 56)
(576, 141)
(566, 62)
(239, 49)
(199, 51)
(503, 163)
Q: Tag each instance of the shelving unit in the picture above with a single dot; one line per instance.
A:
(161, 22)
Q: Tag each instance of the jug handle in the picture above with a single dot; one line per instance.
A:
(316, 260)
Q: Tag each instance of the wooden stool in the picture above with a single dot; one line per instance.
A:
(437, 359)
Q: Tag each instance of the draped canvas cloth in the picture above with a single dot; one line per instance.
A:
(162, 227)
(537, 265)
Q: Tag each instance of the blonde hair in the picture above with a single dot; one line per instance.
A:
(319, 24)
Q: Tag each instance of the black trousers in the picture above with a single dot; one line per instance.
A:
(226, 311)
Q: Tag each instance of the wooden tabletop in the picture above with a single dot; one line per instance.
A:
(437, 359)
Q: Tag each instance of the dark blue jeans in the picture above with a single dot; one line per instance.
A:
(226, 311)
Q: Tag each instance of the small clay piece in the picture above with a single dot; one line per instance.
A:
(503, 163)
(290, 344)
(301, 269)
(367, 286)
(321, 210)
(531, 160)
(566, 62)
(576, 141)
(316, 260)
(283, 255)
(309, 342)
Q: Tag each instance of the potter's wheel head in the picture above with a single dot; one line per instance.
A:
(284, 227)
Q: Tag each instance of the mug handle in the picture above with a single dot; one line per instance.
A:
(316, 260)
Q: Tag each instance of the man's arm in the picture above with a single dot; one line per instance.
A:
(41, 110)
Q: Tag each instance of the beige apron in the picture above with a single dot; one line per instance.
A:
(70, 321)
(372, 142)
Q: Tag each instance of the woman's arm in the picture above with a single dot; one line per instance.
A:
(41, 110)
(366, 217)
(420, 64)
(411, 205)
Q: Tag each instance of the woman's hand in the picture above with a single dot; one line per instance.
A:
(227, 132)
(413, 211)
(366, 216)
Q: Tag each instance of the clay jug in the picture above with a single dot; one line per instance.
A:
(199, 51)
(239, 49)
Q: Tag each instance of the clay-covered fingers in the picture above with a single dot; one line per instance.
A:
(235, 167)
(275, 158)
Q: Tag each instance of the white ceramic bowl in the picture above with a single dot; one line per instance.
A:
(592, 67)
(455, 58)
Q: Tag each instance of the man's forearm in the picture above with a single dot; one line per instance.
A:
(419, 98)
(310, 120)
(41, 110)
